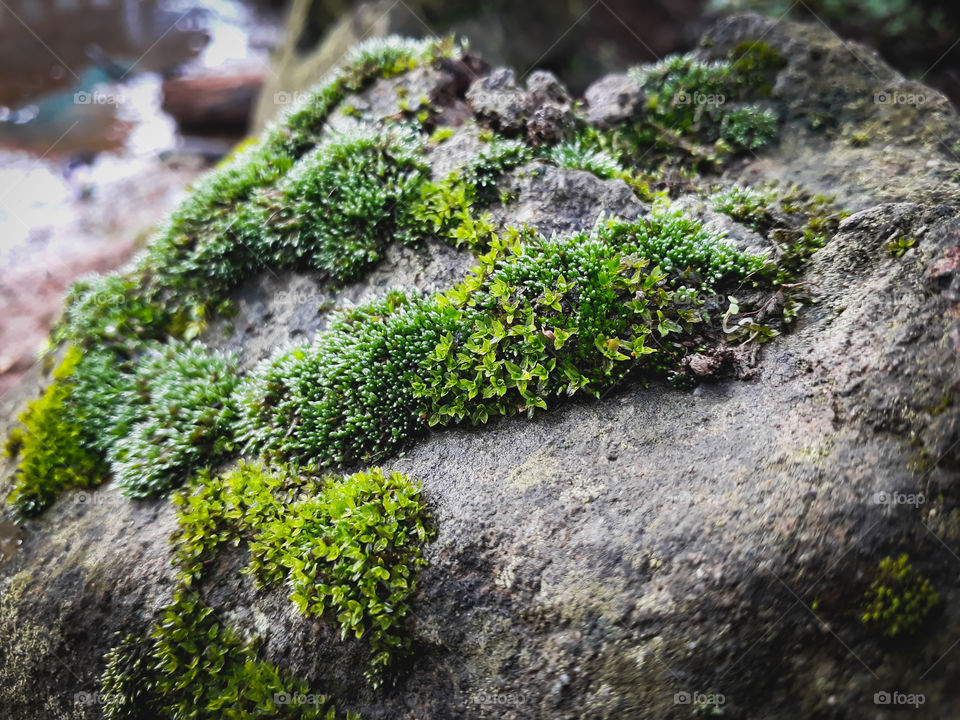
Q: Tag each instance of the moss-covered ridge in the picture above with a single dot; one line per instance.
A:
(538, 320)
(304, 197)
(346, 547)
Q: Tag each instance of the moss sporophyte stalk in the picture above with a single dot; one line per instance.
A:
(137, 397)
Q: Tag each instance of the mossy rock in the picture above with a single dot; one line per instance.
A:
(619, 553)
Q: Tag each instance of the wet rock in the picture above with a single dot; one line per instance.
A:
(615, 557)
(613, 100)
(498, 102)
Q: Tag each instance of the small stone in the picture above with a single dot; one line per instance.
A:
(614, 99)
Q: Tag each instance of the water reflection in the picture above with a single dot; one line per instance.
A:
(66, 66)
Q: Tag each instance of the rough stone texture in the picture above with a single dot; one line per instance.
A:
(608, 555)
(613, 100)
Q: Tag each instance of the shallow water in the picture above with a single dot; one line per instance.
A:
(69, 68)
(85, 146)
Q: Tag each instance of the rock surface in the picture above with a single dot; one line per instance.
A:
(633, 556)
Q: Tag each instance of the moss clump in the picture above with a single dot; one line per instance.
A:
(110, 311)
(148, 420)
(710, 100)
(577, 154)
(176, 417)
(899, 599)
(347, 397)
(453, 209)
(53, 456)
(536, 318)
(263, 163)
(744, 204)
(348, 546)
(334, 212)
(194, 668)
(352, 551)
(343, 203)
(541, 318)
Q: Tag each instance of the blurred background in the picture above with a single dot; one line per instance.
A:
(109, 109)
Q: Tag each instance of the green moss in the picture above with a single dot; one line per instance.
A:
(899, 599)
(176, 417)
(347, 547)
(579, 155)
(195, 668)
(745, 205)
(346, 397)
(352, 552)
(52, 453)
(109, 311)
(453, 209)
(897, 248)
(538, 317)
(710, 100)
(342, 205)
(14, 443)
(149, 420)
(541, 318)
(795, 246)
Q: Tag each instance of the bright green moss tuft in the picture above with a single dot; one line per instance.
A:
(579, 155)
(215, 509)
(176, 417)
(453, 209)
(342, 204)
(899, 599)
(110, 311)
(352, 551)
(211, 241)
(743, 204)
(710, 100)
(52, 453)
(195, 668)
(749, 127)
(348, 547)
(149, 420)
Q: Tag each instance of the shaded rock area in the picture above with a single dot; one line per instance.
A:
(652, 554)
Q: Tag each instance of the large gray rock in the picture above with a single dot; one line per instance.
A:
(620, 558)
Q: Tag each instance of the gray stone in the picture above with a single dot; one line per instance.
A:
(612, 100)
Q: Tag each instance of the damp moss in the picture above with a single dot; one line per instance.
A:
(538, 318)
(349, 548)
(713, 100)
(52, 454)
(899, 599)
